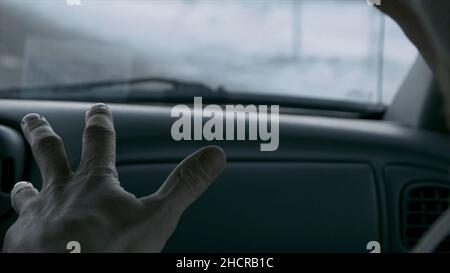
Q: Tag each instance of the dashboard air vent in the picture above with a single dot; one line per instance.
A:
(422, 205)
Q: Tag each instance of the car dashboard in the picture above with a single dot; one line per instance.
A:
(333, 185)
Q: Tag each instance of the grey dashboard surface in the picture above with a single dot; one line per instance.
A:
(282, 206)
(324, 189)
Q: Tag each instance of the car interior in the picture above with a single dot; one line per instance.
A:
(344, 174)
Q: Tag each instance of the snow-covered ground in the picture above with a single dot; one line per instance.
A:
(317, 48)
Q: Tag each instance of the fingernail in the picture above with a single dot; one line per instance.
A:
(30, 117)
(96, 109)
(20, 186)
(212, 161)
(98, 105)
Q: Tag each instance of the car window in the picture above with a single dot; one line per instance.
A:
(336, 50)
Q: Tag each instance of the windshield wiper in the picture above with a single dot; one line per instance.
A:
(125, 91)
(137, 91)
(177, 85)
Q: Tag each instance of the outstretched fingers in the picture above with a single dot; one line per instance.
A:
(99, 142)
(190, 178)
(47, 147)
(22, 193)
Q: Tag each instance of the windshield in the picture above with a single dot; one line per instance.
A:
(334, 50)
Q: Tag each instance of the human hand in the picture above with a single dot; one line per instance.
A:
(89, 206)
(427, 25)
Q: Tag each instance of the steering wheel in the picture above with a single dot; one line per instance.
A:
(435, 235)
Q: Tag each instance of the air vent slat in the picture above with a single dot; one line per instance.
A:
(424, 213)
(431, 200)
(422, 206)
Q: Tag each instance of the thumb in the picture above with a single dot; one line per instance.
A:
(192, 177)
(21, 193)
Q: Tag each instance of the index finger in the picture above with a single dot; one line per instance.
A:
(47, 147)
